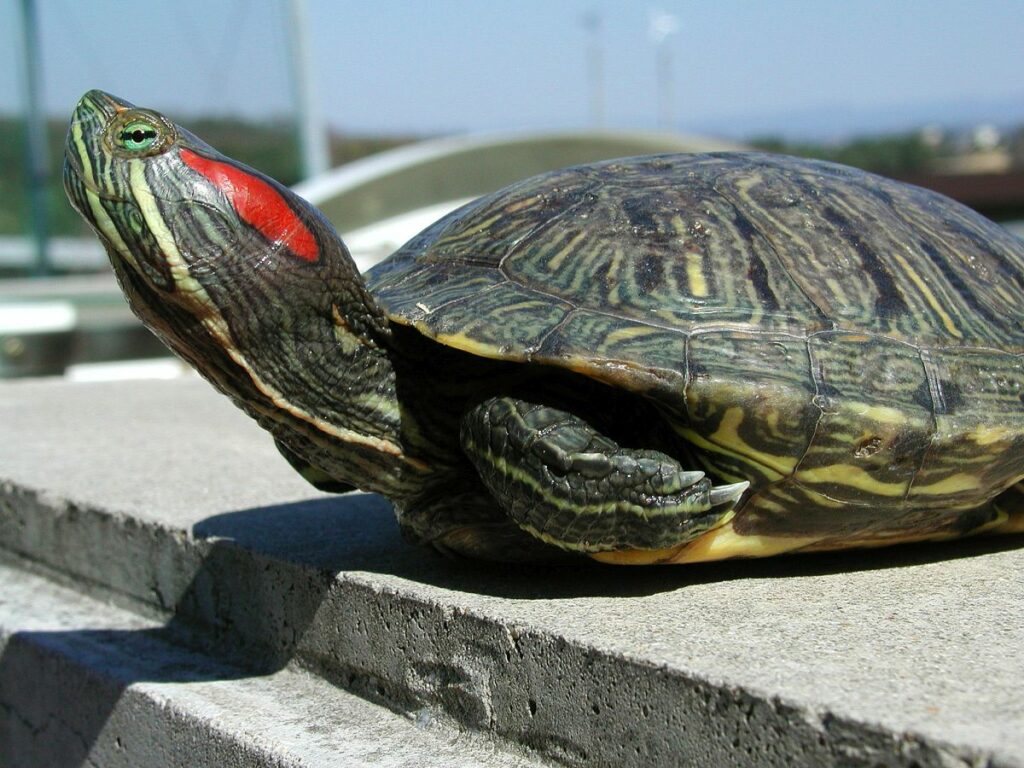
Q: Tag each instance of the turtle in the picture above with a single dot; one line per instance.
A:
(660, 359)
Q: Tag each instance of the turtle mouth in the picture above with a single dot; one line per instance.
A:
(80, 189)
(74, 175)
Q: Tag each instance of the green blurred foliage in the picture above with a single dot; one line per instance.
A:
(269, 147)
(272, 148)
(13, 201)
(895, 155)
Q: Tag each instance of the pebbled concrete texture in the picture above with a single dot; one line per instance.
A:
(162, 497)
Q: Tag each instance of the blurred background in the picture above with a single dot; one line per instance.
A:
(387, 114)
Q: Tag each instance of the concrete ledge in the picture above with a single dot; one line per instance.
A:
(84, 683)
(162, 497)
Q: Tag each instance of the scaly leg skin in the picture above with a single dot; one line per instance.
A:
(568, 485)
(464, 520)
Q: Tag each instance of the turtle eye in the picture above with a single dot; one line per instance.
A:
(138, 136)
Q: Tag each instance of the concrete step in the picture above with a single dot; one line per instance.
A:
(85, 683)
(162, 497)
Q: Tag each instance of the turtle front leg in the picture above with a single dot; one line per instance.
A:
(565, 483)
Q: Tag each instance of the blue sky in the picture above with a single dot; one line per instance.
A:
(823, 68)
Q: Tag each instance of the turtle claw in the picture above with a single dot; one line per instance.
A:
(686, 479)
(727, 494)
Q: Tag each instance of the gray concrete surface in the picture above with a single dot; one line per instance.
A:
(84, 683)
(162, 497)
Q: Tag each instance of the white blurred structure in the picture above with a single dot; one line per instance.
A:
(379, 202)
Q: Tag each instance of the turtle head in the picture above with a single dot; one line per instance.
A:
(189, 225)
(237, 274)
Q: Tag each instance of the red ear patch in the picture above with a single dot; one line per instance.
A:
(258, 203)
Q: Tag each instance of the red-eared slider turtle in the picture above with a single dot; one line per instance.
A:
(655, 359)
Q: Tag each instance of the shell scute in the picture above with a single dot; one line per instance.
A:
(679, 245)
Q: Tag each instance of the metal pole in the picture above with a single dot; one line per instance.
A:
(35, 137)
(595, 68)
(313, 147)
(663, 26)
(664, 86)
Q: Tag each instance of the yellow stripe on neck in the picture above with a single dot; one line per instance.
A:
(192, 293)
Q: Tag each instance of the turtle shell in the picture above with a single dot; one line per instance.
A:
(852, 345)
(609, 268)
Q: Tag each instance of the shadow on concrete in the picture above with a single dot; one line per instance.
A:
(358, 533)
(60, 692)
(244, 607)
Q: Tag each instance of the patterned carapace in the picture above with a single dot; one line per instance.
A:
(658, 359)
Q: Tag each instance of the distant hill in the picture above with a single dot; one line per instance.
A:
(271, 147)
